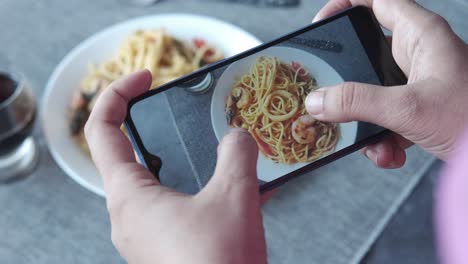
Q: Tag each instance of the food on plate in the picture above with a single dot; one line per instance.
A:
(268, 101)
(165, 56)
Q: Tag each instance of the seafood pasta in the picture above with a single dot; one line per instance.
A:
(154, 49)
(166, 57)
(268, 101)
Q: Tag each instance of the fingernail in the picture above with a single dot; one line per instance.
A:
(372, 155)
(314, 102)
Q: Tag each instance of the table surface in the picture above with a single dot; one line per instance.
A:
(407, 239)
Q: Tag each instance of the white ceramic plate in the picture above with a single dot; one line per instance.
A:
(324, 74)
(101, 46)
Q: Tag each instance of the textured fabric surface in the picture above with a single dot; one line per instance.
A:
(333, 214)
(50, 219)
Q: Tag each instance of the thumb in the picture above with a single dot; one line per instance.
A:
(351, 101)
(236, 168)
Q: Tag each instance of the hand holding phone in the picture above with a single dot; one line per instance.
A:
(430, 110)
(135, 199)
(151, 222)
(176, 128)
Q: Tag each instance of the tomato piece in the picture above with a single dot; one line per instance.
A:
(198, 42)
(302, 73)
(295, 65)
(209, 53)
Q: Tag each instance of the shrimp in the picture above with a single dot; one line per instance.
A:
(231, 109)
(241, 95)
(304, 131)
(239, 98)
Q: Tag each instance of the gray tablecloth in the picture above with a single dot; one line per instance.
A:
(330, 216)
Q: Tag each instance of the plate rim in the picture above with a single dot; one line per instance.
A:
(78, 48)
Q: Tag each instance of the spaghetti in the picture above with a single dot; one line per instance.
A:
(164, 56)
(268, 101)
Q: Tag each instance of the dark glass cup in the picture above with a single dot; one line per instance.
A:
(18, 151)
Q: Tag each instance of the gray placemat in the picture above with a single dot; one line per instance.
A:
(334, 214)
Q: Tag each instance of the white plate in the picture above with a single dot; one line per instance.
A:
(324, 74)
(101, 46)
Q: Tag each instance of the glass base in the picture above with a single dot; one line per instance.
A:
(19, 163)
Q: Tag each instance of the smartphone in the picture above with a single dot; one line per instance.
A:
(175, 129)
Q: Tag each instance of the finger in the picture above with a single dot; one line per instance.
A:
(389, 107)
(386, 155)
(403, 17)
(401, 141)
(236, 168)
(389, 13)
(389, 153)
(331, 8)
(395, 139)
(110, 148)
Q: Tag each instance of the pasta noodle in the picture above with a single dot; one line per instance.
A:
(268, 101)
(166, 57)
(154, 49)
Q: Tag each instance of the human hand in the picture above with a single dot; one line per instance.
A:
(430, 110)
(154, 224)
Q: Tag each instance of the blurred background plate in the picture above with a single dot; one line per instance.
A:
(67, 76)
(325, 75)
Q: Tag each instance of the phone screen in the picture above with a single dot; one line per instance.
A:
(263, 93)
